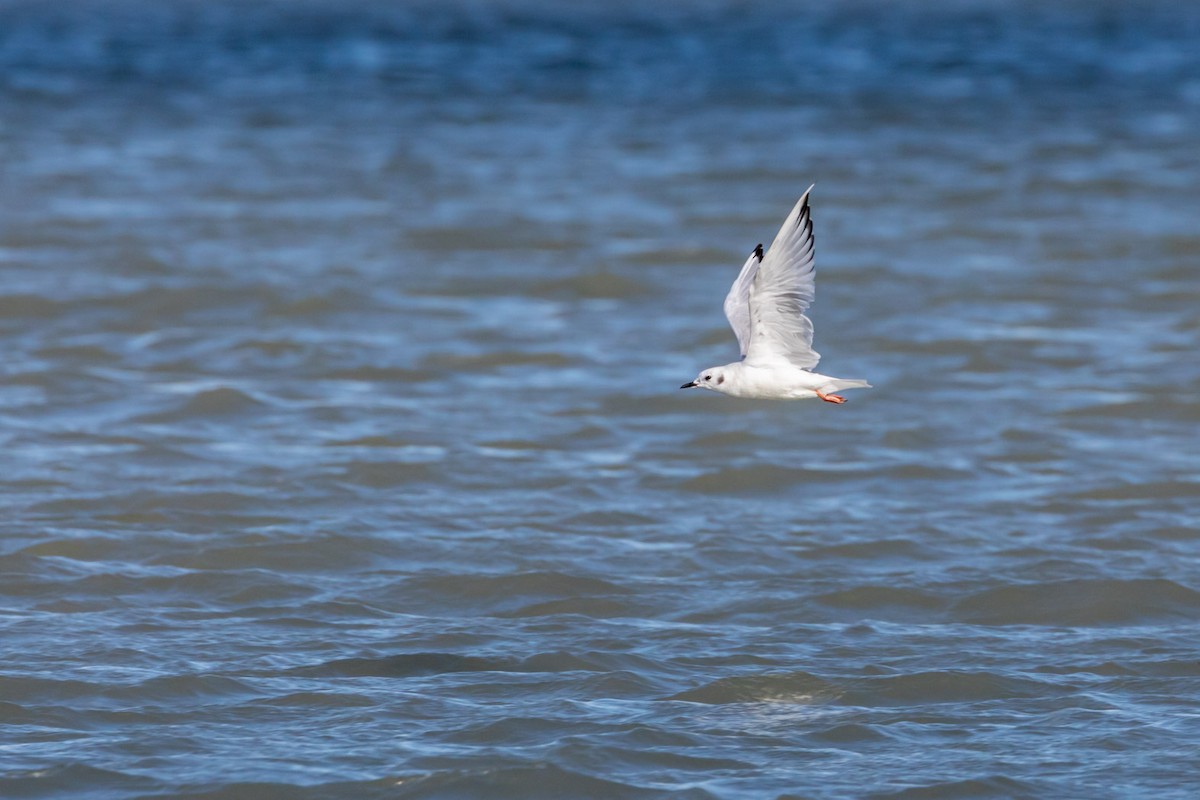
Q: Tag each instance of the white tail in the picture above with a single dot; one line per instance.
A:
(837, 384)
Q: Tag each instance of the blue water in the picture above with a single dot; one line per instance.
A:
(343, 454)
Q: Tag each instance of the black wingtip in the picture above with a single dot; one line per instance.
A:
(758, 251)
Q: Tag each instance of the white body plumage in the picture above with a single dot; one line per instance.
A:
(772, 382)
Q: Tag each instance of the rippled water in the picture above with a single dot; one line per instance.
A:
(343, 455)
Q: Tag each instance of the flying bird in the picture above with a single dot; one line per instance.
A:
(765, 307)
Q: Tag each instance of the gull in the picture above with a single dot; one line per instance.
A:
(765, 307)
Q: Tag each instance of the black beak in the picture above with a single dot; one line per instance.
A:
(689, 385)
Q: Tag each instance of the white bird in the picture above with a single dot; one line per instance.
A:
(765, 307)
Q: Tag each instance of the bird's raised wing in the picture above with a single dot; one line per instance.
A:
(737, 302)
(781, 288)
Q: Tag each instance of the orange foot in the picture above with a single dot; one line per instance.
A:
(832, 398)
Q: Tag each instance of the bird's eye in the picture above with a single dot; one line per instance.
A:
(708, 377)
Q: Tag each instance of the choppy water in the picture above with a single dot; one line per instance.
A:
(343, 455)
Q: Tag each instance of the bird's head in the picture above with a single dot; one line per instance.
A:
(712, 378)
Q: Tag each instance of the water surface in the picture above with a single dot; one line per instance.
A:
(343, 450)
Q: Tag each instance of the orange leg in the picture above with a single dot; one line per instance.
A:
(831, 398)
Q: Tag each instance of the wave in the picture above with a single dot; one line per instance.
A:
(1081, 602)
(224, 401)
(996, 786)
(405, 665)
(790, 687)
(939, 686)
